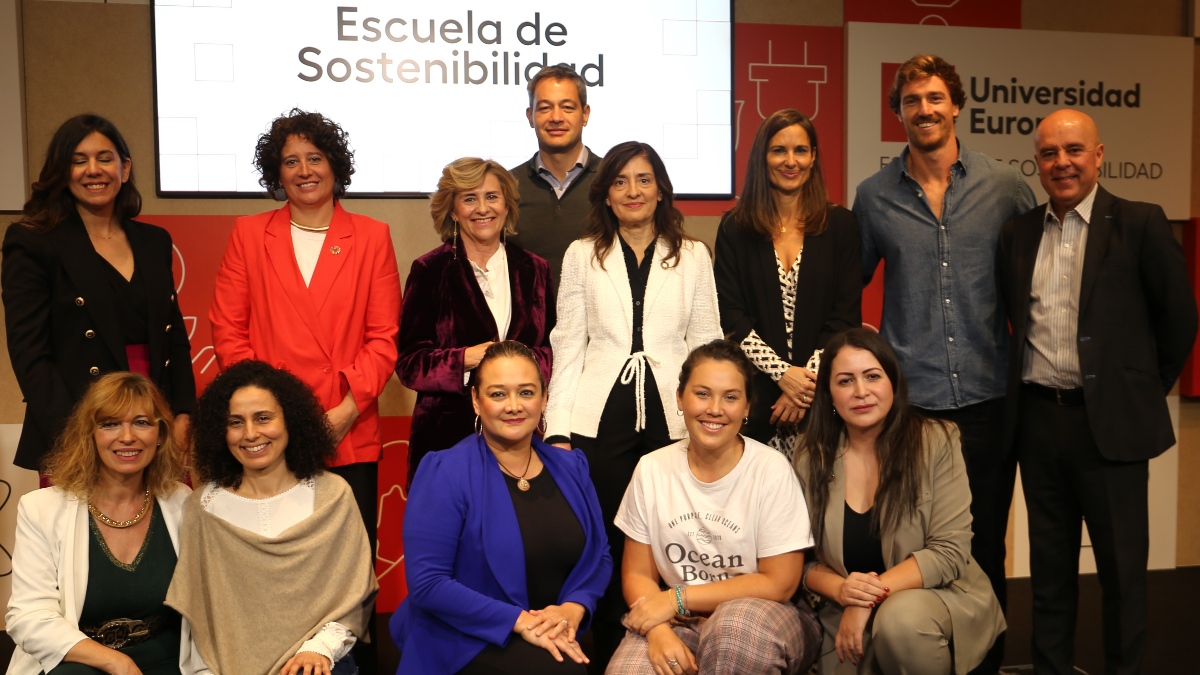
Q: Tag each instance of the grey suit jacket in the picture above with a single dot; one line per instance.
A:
(938, 536)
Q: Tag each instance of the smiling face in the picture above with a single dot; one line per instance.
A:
(482, 212)
(255, 431)
(862, 392)
(790, 158)
(305, 173)
(634, 196)
(714, 401)
(97, 172)
(509, 399)
(928, 113)
(126, 444)
(1069, 156)
(558, 117)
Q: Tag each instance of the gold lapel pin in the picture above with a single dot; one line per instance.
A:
(335, 249)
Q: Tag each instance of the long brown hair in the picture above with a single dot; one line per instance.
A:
(602, 223)
(900, 446)
(74, 463)
(755, 210)
(52, 201)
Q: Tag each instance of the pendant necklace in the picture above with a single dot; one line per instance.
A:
(121, 524)
(522, 484)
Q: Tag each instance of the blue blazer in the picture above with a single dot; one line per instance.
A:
(465, 560)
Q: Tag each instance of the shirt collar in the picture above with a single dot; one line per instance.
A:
(1083, 209)
(958, 161)
(580, 161)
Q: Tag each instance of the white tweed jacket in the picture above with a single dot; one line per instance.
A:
(594, 333)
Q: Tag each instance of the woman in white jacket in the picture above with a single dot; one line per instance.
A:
(637, 296)
(95, 553)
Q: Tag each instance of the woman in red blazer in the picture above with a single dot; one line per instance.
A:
(314, 290)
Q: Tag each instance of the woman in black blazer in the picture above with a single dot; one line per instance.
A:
(788, 272)
(86, 289)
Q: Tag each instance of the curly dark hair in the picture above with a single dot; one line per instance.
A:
(310, 438)
(317, 129)
(51, 201)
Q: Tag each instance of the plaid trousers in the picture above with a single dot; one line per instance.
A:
(747, 636)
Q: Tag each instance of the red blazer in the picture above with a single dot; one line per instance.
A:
(338, 334)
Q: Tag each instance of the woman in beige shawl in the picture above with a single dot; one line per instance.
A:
(274, 571)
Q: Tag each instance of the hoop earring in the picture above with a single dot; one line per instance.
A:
(746, 420)
(679, 412)
(478, 426)
(541, 427)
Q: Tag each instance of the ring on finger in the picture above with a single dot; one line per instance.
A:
(673, 663)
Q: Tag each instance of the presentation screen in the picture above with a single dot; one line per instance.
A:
(419, 84)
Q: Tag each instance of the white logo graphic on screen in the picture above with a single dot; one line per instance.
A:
(785, 85)
(934, 19)
(417, 85)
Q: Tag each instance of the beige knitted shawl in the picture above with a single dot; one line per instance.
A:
(252, 601)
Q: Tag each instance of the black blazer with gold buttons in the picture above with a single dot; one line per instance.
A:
(63, 328)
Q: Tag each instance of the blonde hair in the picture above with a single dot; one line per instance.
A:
(74, 463)
(465, 174)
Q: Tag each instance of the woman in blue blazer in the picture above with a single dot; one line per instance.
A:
(505, 550)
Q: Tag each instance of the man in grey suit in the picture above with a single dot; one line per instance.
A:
(1103, 318)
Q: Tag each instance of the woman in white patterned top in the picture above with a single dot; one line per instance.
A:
(267, 517)
(788, 273)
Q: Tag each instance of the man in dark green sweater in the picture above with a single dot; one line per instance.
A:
(554, 183)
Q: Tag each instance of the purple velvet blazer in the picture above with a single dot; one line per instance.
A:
(443, 313)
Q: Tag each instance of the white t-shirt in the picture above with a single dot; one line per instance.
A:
(701, 532)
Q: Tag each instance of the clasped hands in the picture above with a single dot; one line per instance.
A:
(553, 629)
(859, 595)
(799, 386)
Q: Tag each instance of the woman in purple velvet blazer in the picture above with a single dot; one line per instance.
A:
(460, 297)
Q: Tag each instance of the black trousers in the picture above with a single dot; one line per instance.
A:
(1067, 483)
(364, 482)
(612, 456)
(991, 473)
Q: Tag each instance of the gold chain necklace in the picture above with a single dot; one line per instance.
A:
(121, 524)
(309, 229)
(522, 484)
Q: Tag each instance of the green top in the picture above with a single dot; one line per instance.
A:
(133, 591)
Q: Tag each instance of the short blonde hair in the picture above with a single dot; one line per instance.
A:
(74, 463)
(465, 174)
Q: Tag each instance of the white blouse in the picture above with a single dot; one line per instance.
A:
(269, 517)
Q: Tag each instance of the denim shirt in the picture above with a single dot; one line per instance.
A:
(941, 305)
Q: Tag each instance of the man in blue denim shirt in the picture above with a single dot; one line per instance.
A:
(933, 215)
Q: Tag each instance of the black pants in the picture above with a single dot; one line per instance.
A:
(1068, 482)
(612, 455)
(364, 482)
(992, 476)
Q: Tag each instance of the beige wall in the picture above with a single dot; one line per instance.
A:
(87, 56)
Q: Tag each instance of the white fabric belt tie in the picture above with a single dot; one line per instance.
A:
(636, 367)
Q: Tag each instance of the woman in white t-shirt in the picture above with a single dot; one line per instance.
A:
(721, 522)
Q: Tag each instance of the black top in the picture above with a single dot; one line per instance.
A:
(638, 276)
(552, 536)
(862, 550)
(131, 304)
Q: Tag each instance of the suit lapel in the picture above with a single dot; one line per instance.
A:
(155, 277)
(835, 512)
(89, 274)
(618, 276)
(340, 238)
(1027, 240)
(480, 313)
(279, 250)
(501, 531)
(657, 278)
(1099, 234)
(520, 285)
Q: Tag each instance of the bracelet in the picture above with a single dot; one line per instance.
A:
(679, 602)
(804, 577)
